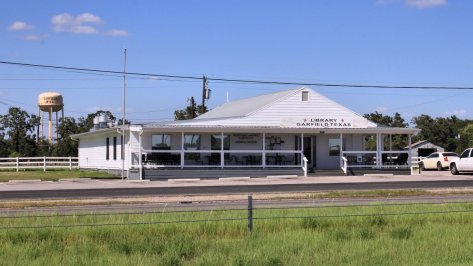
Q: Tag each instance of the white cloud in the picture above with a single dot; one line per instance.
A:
(34, 38)
(381, 109)
(88, 18)
(67, 22)
(116, 32)
(85, 23)
(79, 29)
(460, 112)
(425, 3)
(20, 25)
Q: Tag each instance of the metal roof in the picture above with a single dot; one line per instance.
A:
(98, 132)
(246, 106)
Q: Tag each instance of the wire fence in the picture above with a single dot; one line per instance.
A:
(253, 210)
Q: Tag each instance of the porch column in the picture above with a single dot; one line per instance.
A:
(409, 160)
(302, 148)
(390, 142)
(140, 161)
(222, 154)
(341, 149)
(264, 150)
(378, 151)
(182, 150)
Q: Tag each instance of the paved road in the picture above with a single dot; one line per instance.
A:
(227, 189)
(237, 205)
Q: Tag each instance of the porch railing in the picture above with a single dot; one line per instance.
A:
(213, 158)
(304, 165)
(344, 165)
(369, 159)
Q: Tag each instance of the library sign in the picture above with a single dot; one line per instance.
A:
(319, 122)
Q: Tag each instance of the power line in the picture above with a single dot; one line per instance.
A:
(247, 81)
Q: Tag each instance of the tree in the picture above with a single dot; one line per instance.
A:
(386, 120)
(191, 111)
(20, 127)
(467, 135)
(442, 131)
(65, 146)
(398, 141)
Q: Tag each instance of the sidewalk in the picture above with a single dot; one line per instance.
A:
(116, 184)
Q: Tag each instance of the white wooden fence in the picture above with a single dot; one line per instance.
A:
(17, 163)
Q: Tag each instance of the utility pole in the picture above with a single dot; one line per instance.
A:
(205, 92)
(123, 120)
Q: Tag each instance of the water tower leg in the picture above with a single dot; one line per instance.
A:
(42, 124)
(57, 123)
(39, 125)
(50, 129)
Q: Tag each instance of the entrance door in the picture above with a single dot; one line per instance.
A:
(309, 151)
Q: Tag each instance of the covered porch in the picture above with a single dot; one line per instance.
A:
(277, 149)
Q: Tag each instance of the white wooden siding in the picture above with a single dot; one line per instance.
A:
(291, 107)
(92, 152)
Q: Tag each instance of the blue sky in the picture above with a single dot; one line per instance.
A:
(386, 42)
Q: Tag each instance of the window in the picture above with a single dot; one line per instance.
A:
(433, 155)
(215, 142)
(305, 96)
(161, 142)
(122, 151)
(369, 143)
(334, 147)
(465, 154)
(115, 148)
(192, 142)
(450, 154)
(107, 149)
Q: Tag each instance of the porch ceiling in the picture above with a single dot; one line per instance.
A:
(228, 129)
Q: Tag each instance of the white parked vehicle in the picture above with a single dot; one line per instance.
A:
(464, 163)
(437, 160)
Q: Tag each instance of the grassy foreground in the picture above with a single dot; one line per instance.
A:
(421, 239)
(51, 175)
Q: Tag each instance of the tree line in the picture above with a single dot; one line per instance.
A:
(19, 134)
(19, 131)
(452, 133)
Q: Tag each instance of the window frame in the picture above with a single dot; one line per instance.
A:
(165, 139)
(305, 96)
(330, 140)
(114, 148)
(190, 145)
(107, 149)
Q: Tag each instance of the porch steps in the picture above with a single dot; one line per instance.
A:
(370, 171)
(215, 173)
(331, 172)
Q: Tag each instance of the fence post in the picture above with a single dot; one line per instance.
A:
(250, 213)
(17, 164)
(44, 163)
(70, 162)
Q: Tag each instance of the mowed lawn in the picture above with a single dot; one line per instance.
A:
(411, 238)
(51, 175)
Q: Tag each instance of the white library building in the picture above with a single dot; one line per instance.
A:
(296, 131)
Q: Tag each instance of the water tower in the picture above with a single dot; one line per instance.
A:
(49, 102)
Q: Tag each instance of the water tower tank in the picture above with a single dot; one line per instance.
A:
(50, 102)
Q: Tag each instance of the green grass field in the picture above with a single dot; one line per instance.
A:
(51, 175)
(410, 239)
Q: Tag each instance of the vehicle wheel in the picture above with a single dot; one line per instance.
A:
(439, 166)
(453, 169)
(421, 166)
